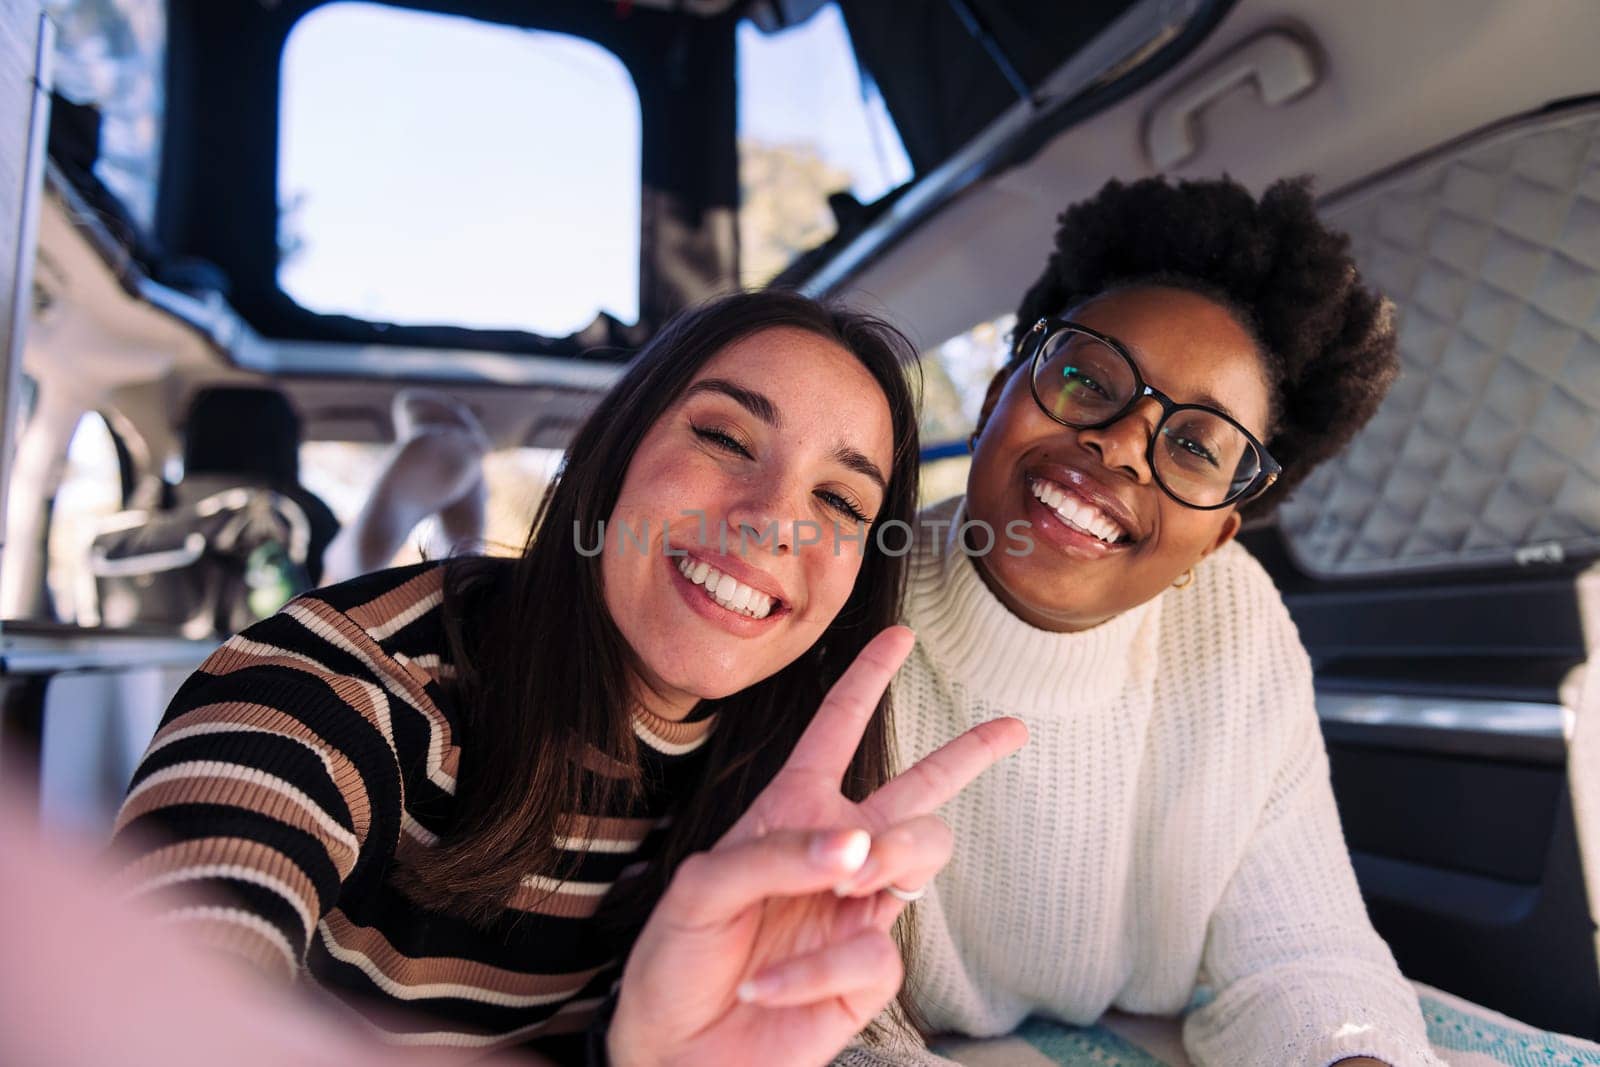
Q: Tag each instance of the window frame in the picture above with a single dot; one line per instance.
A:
(630, 290)
(218, 198)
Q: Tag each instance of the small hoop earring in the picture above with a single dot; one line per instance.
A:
(1185, 579)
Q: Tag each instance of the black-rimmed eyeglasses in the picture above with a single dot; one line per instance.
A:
(1199, 456)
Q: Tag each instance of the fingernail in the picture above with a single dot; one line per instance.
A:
(755, 988)
(844, 849)
(868, 871)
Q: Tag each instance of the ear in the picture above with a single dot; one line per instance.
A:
(991, 398)
(1230, 527)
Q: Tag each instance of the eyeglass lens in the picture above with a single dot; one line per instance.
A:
(1200, 457)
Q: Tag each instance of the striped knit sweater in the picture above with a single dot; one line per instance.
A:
(309, 753)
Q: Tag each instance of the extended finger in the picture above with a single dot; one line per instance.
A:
(907, 856)
(710, 888)
(940, 775)
(865, 963)
(835, 731)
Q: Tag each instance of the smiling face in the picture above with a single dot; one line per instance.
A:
(781, 431)
(1106, 537)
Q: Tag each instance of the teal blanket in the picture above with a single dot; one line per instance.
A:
(1463, 1034)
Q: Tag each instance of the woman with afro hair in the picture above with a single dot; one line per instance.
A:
(1168, 840)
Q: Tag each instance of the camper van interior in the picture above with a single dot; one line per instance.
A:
(246, 229)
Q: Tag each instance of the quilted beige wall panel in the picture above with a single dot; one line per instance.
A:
(1487, 452)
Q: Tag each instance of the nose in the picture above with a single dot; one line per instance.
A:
(757, 522)
(1124, 445)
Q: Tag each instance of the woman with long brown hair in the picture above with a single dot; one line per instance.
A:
(459, 790)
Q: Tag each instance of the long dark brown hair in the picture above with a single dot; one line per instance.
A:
(544, 674)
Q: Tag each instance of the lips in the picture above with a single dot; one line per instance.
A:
(743, 591)
(727, 590)
(1076, 512)
(1084, 504)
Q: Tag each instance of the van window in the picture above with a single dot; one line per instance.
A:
(90, 491)
(811, 123)
(439, 170)
(955, 376)
(111, 53)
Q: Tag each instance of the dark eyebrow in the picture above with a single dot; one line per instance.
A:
(861, 465)
(755, 403)
(1212, 402)
(758, 405)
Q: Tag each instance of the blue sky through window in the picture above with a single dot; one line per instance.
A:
(801, 86)
(435, 169)
(438, 169)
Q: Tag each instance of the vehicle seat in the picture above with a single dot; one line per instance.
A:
(249, 437)
(436, 469)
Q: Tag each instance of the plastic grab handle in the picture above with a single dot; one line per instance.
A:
(1282, 67)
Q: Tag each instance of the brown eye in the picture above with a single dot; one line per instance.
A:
(841, 505)
(718, 439)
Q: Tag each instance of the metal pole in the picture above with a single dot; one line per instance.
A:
(27, 40)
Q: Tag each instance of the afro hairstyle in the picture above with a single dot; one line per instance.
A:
(1328, 341)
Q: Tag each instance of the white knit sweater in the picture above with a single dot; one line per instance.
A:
(1169, 824)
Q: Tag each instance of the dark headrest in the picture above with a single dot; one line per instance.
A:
(74, 133)
(248, 431)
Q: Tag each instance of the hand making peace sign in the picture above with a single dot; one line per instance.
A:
(774, 946)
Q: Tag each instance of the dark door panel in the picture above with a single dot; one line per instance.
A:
(1441, 711)
(1472, 815)
(1464, 846)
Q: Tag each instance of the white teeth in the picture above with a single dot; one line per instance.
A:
(1076, 512)
(726, 589)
